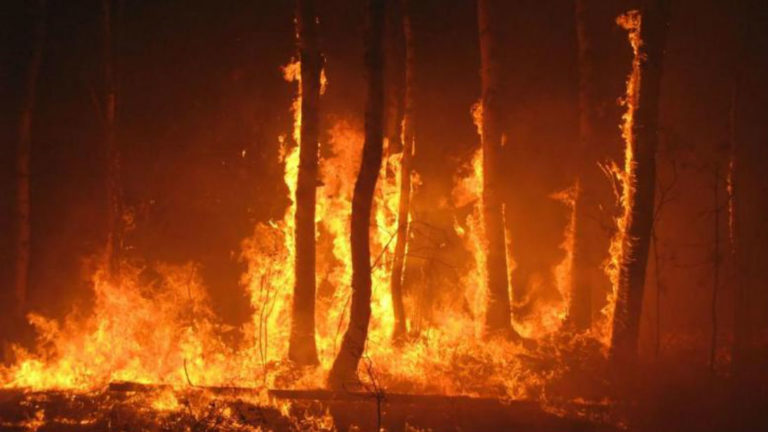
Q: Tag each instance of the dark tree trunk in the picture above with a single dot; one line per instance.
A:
(344, 370)
(744, 193)
(404, 133)
(642, 138)
(498, 312)
(716, 268)
(302, 348)
(742, 328)
(580, 307)
(114, 190)
(23, 153)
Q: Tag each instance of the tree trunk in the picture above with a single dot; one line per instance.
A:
(114, 193)
(657, 298)
(641, 135)
(580, 307)
(405, 134)
(742, 331)
(741, 187)
(302, 348)
(498, 313)
(741, 246)
(24, 150)
(344, 370)
(715, 269)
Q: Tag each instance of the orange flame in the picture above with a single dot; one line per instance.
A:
(625, 177)
(163, 331)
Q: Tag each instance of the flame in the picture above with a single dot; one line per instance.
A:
(337, 173)
(161, 330)
(270, 251)
(550, 315)
(564, 269)
(472, 231)
(625, 177)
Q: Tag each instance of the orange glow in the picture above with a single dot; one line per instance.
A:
(162, 331)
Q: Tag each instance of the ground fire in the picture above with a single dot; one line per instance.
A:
(385, 215)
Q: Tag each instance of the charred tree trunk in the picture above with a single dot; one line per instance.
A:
(302, 348)
(642, 138)
(344, 370)
(23, 153)
(113, 185)
(580, 307)
(498, 312)
(403, 132)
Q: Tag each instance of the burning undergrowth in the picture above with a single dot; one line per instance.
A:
(152, 325)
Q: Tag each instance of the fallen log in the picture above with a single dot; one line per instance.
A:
(393, 398)
(130, 386)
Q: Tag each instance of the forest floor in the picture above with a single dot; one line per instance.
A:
(654, 397)
(131, 407)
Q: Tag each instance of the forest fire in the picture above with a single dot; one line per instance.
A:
(327, 250)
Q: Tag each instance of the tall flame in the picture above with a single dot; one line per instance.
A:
(632, 22)
(269, 252)
(160, 329)
(469, 190)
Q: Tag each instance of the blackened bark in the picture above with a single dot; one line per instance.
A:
(344, 370)
(498, 312)
(302, 347)
(645, 137)
(23, 153)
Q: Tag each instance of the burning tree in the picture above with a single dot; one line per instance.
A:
(403, 135)
(344, 369)
(498, 311)
(302, 347)
(153, 348)
(647, 34)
